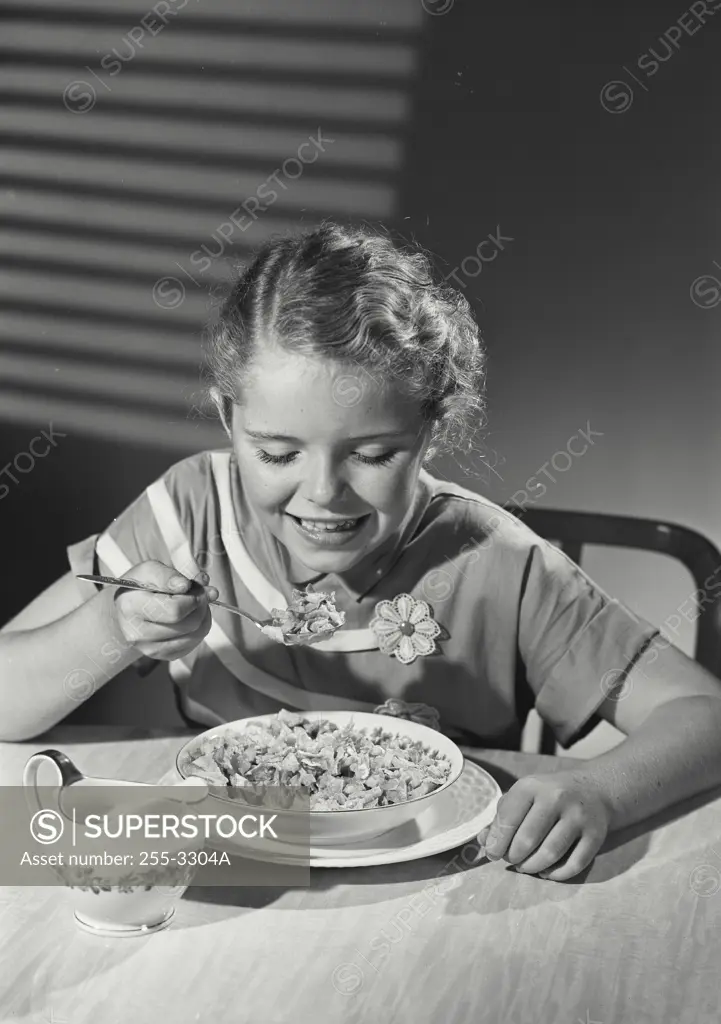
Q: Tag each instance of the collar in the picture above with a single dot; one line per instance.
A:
(271, 556)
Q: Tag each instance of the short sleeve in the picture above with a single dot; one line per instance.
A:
(167, 522)
(575, 641)
(131, 538)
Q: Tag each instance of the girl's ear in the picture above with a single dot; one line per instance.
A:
(220, 405)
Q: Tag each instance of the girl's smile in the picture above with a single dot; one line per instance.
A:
(331, 481)
(333, 533)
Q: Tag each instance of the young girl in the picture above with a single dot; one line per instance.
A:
(338, 368)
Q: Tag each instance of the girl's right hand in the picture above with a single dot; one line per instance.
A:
(164, 626)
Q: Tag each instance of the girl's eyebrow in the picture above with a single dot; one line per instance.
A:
(262, 435)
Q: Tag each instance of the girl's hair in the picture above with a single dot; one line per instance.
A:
(351, 295)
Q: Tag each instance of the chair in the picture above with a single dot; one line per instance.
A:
(574, 530)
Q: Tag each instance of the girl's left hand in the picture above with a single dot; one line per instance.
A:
(543, 817)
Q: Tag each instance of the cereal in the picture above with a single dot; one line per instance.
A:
(310, 616)
(342, 768)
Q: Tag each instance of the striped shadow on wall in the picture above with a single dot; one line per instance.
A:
(131, 134)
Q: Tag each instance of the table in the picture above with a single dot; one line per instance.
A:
(636, 939)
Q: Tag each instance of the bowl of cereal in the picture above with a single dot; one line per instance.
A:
(362, 774)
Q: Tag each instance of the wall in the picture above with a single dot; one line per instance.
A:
(588, 313)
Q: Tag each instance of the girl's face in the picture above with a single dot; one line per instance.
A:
(329, 457)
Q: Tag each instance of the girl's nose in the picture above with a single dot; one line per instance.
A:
(323, 485)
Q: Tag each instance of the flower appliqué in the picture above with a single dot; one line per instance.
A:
(404, 628)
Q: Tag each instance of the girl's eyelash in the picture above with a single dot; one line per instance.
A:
(284, 460)
(376, 460)
(276, 460)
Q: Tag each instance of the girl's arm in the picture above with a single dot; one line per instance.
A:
(669, 707)
(56, 653)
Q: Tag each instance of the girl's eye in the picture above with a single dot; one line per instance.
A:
(376, 460)
(275, 460)
(284, 460)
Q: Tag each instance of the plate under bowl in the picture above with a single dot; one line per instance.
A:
(453, 820)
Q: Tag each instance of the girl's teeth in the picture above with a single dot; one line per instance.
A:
(347, 524)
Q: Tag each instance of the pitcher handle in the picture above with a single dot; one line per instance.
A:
(65, 771)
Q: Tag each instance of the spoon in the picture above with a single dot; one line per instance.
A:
(266, 626)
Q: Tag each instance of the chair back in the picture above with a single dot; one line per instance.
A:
(573, 531)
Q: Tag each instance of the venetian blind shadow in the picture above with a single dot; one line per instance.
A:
(126, 155)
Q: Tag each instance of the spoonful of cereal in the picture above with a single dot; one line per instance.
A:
(310, 618)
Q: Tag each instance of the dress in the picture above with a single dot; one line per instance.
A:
(521, 624)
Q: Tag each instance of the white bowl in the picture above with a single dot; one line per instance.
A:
(339, 827)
